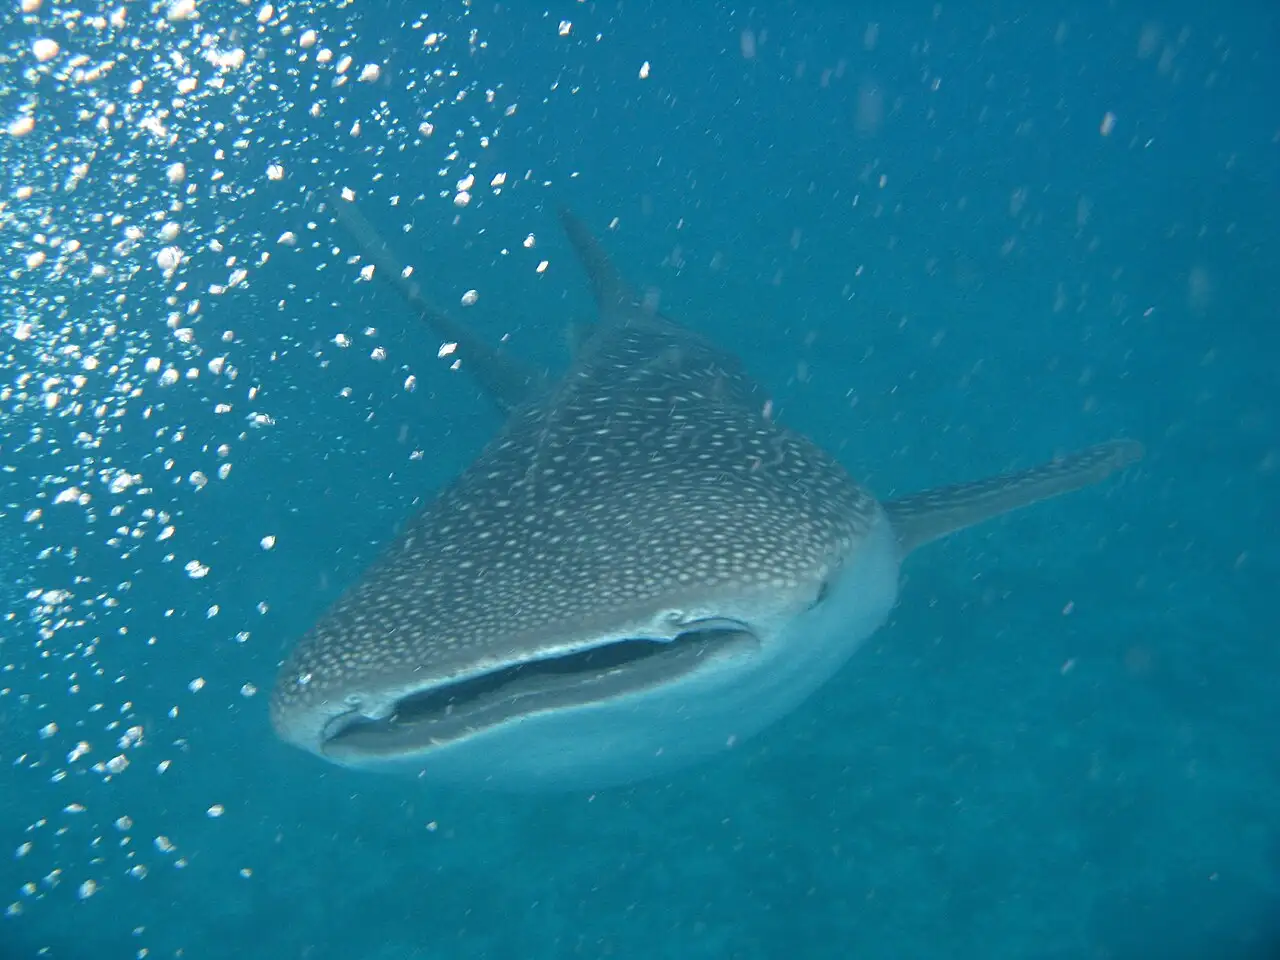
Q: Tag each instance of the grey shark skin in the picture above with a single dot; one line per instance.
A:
(640, 570)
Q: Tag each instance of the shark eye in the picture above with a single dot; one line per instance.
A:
(352, 700)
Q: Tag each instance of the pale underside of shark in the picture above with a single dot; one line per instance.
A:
(639, 571)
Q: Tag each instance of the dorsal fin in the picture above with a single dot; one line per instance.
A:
(508, 382)
(611, 292)
(926, 516)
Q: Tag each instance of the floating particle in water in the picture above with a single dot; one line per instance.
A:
(169, 259)
(44, 49)
(180, 10)
(130, 738)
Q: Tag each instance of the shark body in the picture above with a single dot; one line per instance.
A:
(640, 570)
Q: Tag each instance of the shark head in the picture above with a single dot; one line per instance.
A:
(640, 570)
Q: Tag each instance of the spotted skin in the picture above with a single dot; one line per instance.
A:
(651, 471)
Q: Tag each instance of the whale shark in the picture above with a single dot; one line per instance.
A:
(643, 568)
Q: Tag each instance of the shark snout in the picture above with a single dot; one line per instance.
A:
(308, 723)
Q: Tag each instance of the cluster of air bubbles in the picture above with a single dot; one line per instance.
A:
(161, 159)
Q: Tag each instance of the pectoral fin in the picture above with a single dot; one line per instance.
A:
(610, 290)
(926, 516)
(507, 381)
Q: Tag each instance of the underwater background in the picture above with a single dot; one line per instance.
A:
(951, 239)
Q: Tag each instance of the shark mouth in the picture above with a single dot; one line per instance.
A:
(442, 712)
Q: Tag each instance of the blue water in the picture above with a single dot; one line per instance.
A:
(951, 240)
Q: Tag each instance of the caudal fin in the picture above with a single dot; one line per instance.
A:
(926, 516)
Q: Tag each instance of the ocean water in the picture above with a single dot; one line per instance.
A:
(952, 239)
